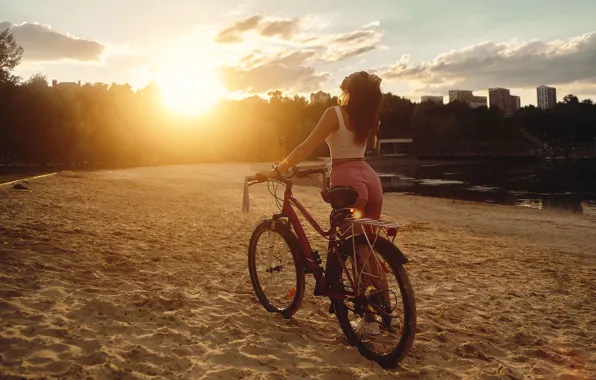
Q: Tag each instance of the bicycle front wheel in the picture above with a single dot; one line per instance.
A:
(378, 315)
(275, 268)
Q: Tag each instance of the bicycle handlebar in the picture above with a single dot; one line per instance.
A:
(286, 180)
(296, 172)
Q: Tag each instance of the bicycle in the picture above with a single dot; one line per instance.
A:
(351, 279)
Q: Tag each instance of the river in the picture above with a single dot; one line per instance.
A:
(568, 186)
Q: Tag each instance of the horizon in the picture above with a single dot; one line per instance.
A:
(259, 47)
(306, 96)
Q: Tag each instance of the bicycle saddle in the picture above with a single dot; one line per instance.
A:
(340, 196)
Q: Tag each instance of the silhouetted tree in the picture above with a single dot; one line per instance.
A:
(570, 99)
(100, 125)
(10, 56)
(396, 117)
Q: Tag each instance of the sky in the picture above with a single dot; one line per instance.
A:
(251, 47)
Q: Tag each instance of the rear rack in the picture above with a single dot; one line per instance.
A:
(380, 228)
(374, 222)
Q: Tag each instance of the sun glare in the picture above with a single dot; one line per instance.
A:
(188, 89)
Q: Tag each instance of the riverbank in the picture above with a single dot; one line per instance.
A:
(142, 272)
(12, 173)
(15, 173)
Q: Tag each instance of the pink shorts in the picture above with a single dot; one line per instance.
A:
(363, 178)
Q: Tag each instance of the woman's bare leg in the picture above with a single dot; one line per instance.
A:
(368, 268)
(369, 262)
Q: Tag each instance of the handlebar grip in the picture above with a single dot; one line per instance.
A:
(256, 177)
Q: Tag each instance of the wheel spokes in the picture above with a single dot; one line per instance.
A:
(275, 269)
(376, 311)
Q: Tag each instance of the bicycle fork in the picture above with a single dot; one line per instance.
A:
(271, 246)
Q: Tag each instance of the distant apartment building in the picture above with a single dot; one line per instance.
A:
(319, 97)
(432, 98)
(463, 96)
(546, 96)
(514, 103)
(478, 101)
(55, 83)
(467, 97)
(502, 99)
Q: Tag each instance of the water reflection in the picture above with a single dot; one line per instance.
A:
(568, 186)
(571, 205)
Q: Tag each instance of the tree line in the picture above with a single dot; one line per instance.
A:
(101, 125)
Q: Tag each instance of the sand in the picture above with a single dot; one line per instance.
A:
(142, 273)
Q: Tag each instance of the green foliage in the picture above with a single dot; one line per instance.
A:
(11, 55)
(96, 125)
(99, 125)
(452, 126)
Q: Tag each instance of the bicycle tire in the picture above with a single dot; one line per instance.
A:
(296, 250)
(393, 257)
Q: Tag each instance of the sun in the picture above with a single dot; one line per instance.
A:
(188, 89)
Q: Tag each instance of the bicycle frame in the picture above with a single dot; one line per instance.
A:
(311, 265)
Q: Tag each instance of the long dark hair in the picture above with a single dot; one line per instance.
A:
(362, 98)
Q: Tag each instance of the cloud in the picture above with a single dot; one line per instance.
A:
(41, 43)
(233, 33)
(353, 44)
(341, 55)
(333, 48)
(506, 64)
(282, 28)
(358, 36)
(266, 27)
(289, 63)
(290, 71)
(372, 24)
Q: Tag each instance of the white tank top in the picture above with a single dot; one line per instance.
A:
(341, 143)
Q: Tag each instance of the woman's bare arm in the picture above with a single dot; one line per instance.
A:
(326, 125)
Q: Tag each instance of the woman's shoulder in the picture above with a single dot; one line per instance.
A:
(334, 112)
(331, 116)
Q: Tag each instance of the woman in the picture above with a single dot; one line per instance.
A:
(346, 129)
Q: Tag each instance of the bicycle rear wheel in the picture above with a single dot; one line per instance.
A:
(275, 268)
(378, 315)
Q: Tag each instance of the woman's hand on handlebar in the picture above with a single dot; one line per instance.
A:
(294, 171)
(263, 175)
(267, 174)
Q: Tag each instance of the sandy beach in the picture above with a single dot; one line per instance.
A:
(142, 274)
